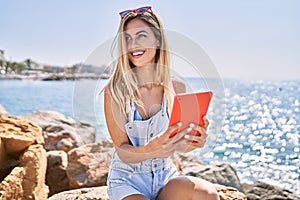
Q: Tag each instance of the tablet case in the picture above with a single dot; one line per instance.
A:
(189, 108)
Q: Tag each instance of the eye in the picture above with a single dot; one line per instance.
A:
(140, 36)
(128, 38)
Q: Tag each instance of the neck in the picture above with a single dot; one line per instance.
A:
(145, 74)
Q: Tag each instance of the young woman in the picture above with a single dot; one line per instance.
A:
(137, 102)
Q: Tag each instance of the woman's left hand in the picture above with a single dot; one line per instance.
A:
(206, 123)
(197, 141)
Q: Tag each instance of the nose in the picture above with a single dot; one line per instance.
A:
(133, 44)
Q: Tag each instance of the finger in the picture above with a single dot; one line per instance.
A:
(180, 135)
(197, 144)
(206, 122)
(195, 141)
(171, 129)
(200, 129)
(195, 138)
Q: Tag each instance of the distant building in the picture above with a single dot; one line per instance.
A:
(52, 69)
(83, 68)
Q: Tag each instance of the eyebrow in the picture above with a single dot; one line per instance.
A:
(142, 31)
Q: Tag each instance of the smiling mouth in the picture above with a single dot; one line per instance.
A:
(137, 53)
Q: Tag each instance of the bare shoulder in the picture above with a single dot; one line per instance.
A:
(107, 90)
(107, 94)
(179, 86)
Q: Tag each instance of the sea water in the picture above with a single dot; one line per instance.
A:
(260, 122)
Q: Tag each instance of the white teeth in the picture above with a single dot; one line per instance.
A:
(137, 53)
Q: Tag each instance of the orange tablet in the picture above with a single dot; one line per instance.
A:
(189, 108)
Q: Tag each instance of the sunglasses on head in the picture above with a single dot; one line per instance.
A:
(140, 11)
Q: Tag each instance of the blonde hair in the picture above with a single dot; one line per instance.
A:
(123, 84)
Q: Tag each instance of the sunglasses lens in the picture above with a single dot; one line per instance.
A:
(141, 10)
(124, 13)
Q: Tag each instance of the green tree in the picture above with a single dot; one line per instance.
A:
(74, 68)
(7, 66)
(13, 66)
(19, 67)
(28, 62)
(1, 63)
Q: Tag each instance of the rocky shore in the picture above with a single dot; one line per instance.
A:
(46, 155)
(55, 76)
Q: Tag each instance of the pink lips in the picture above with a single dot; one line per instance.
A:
(137, 53)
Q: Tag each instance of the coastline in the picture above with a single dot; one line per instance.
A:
(55, 76)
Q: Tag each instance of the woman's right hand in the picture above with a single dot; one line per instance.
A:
(163, 146)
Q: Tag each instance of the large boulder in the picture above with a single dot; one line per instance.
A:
(223, 173)
(56, 176)
(23, 160)
(93, 193)
(264, 191)
(88, 165)
(229, 193)
(16, 135)
(62, 132)
(27, 180)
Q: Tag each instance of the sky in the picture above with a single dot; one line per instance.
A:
(257, 39)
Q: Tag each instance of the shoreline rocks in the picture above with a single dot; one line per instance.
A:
(222, 174)
(62, 132)
(56, 175)
(260, 190)
(24, 157)
(88, 165)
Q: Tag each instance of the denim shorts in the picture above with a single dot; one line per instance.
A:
(146, 178)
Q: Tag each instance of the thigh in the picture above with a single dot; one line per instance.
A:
(188, 187)
(136, 197)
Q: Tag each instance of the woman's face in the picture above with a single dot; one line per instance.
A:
(141, 42)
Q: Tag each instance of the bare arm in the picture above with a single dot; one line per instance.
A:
(160, 147)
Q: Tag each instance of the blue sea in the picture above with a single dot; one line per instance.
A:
(256, 126)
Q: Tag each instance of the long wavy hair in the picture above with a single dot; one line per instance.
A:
(123, 84)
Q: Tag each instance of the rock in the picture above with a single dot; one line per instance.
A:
(264, 191)
(62, 132)
(27, 180)
(17, 134)
(223, 174)
(88, 165)
(94, 193)
(56, 176)
(100, 193)
(3, 111)
(229, 193)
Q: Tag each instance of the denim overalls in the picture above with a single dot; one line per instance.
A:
(147, 177)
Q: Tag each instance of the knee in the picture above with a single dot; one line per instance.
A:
(190, 188)
(211, 193)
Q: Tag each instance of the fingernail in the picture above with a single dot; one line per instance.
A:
(186, 136)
